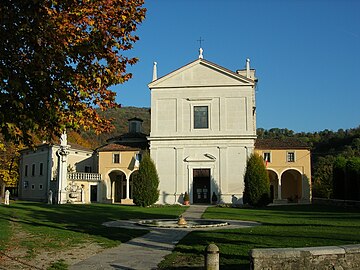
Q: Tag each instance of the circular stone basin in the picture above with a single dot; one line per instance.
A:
(172, 223)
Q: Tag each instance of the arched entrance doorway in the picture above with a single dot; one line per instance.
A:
(274, 184)
(291, 185)
(118, 185)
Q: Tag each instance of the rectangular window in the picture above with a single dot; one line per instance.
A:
(32, 187)
(138, 157)
(267, 157)
(137, 160)
(26, 184)
(41, 168)
(290, 156)
(26, 170)
(40, 187)
(201, 117)
(116, 158)
(33, 170)
(133, 127)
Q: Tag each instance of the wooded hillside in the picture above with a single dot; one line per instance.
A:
(120, 118)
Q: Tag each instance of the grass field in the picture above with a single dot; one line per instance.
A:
(56, 227)
(282, 226)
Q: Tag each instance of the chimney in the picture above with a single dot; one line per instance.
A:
(154, 72)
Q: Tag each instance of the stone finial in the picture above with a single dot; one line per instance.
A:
(63, 139)
(247, 68)
(201, 53)
(50, 197)
(7, 197)
(154, 72)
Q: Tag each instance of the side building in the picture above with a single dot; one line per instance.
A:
(119, 161)
(73, 174)
(40, 172)
(288, 163)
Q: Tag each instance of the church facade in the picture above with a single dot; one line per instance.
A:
(203, 128)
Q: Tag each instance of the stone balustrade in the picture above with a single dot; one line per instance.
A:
(328, 257)
(82, 176)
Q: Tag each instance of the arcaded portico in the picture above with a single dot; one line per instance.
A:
(288, 165)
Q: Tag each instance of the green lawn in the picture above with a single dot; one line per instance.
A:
(282, 226)
(53, 227)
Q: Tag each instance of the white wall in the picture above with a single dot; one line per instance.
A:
(177, 147)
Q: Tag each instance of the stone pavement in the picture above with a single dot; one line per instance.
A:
(141, 253)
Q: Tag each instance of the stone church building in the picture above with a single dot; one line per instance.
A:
(203, 128)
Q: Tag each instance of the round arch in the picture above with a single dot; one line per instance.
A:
(118, 185)
(291, 185)
(274, 184)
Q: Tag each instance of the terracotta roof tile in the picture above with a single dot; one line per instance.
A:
(118, 147)
(287, 143)
(129, 135)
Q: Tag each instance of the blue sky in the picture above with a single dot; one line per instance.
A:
(306, 55)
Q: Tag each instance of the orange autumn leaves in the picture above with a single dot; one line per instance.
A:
(58, 61)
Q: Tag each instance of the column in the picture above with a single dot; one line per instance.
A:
(112, 184)
(127, 187)
(279, 188)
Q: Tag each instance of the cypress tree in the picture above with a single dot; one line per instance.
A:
(353, 178)
(339, 181)
(146, 183)
(257, 183)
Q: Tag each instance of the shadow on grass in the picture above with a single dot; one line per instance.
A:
(86, 218)
(282, 226)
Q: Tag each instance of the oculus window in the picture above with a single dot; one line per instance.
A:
(201, 117)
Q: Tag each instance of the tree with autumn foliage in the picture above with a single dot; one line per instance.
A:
(58, 60)
(9, 165)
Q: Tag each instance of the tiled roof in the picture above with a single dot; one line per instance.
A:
(288, 143)
(129, 135)
(117, 147)
(136, 119)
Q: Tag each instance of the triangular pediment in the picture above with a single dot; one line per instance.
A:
(201, 73)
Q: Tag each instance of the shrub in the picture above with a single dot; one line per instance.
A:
(257, 183)
(186, 197)
(146, 183)
(323, 178)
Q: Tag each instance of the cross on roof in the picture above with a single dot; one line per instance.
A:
(200, 41)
